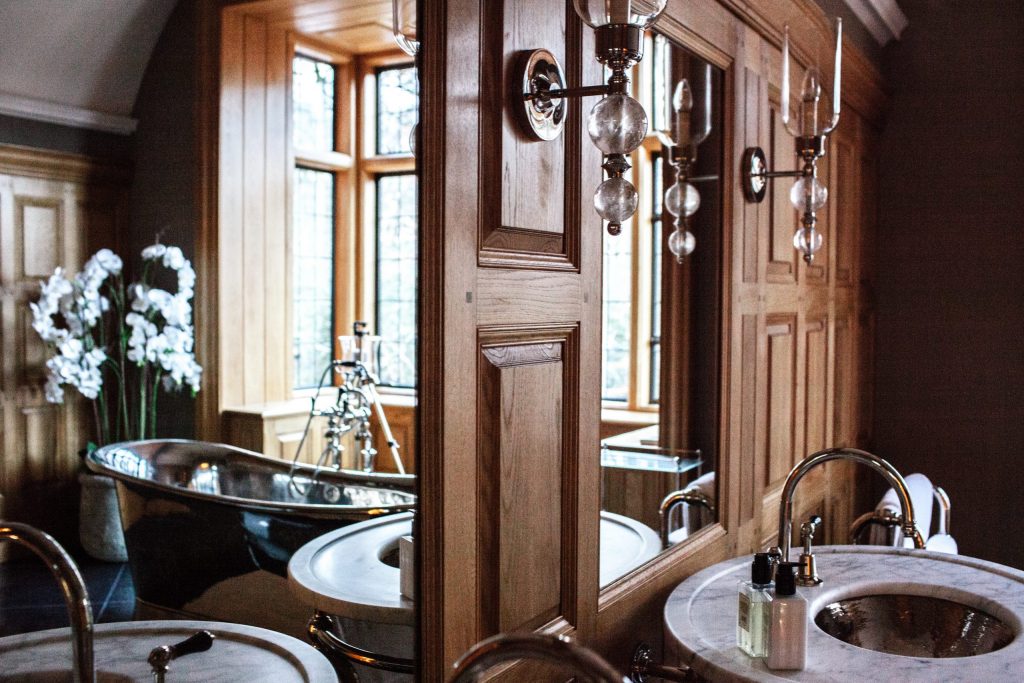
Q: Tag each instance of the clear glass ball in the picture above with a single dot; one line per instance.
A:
(412, 138)
(688, 200)
(640, 13)
(617, 124)
(615, 199)
(808, 188)
(681, 243)
(807, 241)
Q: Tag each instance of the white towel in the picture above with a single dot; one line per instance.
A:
(921, 496)
(942, 543)
(697, 516)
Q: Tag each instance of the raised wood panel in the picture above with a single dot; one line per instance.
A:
(749, 398)
(754, 215)
(844, 432)
(783, 259)
(815, 383)
(55, 209)
(844, 186)
(520, 484)
(523, 221)
(782, 390)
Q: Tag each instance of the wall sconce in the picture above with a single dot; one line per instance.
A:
(403, 27)
(683, 133)
(617, 123)
(808, 193)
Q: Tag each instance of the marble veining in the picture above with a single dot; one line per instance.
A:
(239, 653)
(700, 617)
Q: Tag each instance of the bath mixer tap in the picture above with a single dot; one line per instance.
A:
(506, 647)
(71, 585)
(891, 475)
(161, 657)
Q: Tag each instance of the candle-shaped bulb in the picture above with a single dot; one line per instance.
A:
(784, 105)
(682, 105)
(682, 98)
(838, 76)
(810, 97)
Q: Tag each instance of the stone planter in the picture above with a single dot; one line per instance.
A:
(99, 524)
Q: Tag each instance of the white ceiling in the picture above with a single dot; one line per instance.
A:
(77, 62)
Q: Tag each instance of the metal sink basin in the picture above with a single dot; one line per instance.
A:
(914, 626)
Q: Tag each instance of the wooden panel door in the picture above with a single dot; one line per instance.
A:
(511, 349)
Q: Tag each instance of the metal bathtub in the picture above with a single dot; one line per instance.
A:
(210, 528)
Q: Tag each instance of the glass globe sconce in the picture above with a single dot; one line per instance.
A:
(685, 129)
(403, 27)
(811, 130)
(617, 123)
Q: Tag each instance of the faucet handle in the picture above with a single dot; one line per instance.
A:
(160, 657)
(808, 571)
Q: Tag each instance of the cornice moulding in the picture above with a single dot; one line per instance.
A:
(883, 19)
(65, 114)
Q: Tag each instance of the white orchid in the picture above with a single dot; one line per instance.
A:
(154, 335)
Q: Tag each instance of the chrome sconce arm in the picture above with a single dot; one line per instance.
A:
(617, 123)
(808, 194)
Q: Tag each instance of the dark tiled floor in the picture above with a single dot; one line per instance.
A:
(31, 601)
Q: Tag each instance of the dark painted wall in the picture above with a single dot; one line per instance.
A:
(163, 197)
(950, 340)
(40, 135)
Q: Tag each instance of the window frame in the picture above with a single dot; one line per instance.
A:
(356, 167)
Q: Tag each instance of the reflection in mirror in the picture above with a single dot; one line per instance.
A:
(354, 289)
(662, 296)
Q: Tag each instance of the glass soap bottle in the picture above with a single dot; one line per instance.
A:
(755, 598)
(787, 640)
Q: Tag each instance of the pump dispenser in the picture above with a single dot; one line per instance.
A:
(755, 597)
(787, 639)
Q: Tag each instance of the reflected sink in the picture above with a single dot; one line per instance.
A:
(914, 626)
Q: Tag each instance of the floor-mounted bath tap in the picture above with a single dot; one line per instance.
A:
(876, 463)
(71, 585)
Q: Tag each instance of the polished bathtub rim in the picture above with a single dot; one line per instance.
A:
(317, 510)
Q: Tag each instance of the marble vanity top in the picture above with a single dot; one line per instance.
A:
(700, 617)
(239, 654)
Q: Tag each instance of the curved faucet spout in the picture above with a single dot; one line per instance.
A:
(876, 463)
(71, 585)
(506, 647)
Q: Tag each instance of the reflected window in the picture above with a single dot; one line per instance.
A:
(397, 281)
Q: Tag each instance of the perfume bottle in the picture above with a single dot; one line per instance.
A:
(755, 598)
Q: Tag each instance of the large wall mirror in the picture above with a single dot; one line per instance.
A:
(661, 322)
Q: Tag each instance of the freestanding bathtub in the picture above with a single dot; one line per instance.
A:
(210, 528)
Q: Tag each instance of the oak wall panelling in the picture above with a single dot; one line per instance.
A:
(56, 209)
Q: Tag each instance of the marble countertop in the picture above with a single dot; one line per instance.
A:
(239, 654)
(700, 617)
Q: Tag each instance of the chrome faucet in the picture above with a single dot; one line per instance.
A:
(75, 595)
(690, 496)
(876, 463)
(553, 649)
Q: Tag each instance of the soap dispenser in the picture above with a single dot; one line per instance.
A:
(753, 614)
(787, 637)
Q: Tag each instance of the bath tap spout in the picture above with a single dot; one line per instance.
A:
(71, 585)
(876, 463)
(506, 647)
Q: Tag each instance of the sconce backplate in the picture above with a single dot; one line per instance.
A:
(542, 74)
(754, 170)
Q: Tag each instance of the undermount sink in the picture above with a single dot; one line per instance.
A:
(882, 614)
(914, 626)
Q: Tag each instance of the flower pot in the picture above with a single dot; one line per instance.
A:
(99, 523)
